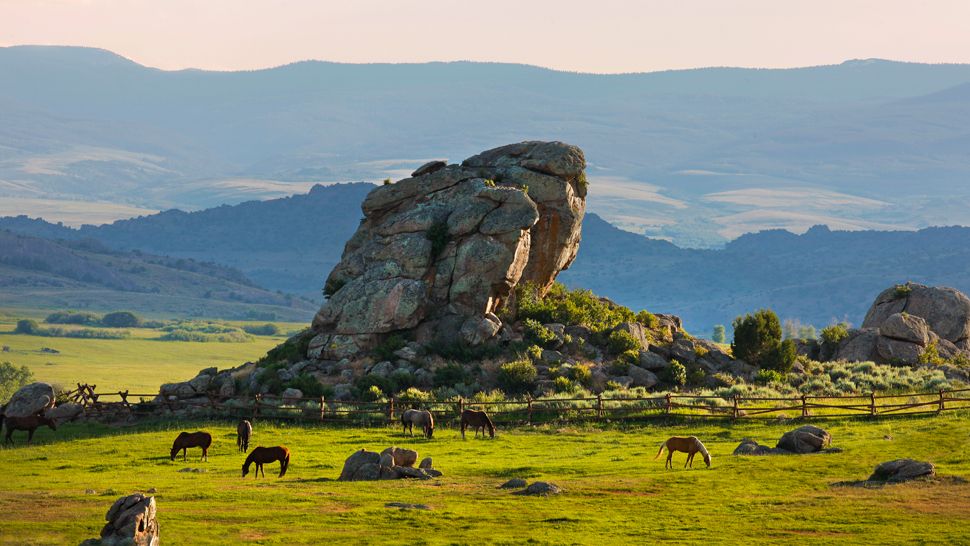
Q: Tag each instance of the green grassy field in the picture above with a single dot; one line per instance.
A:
(615, 492)
(139, 363)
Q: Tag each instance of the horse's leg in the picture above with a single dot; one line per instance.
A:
(670, 459)
(30, 435)
(463, 426)
(690, 459)
(185, 454)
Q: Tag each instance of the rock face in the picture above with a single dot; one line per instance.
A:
(439, 253)
(902, 470)
(131, 520)
(30, 400)
(366, 465)
(905, 320)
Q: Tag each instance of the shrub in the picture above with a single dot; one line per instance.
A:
(764, 377)
(756, 336)
(834, 334)
(902, 291)
(27, 326)
(719, 335)
(366, 384)
(534, 352)
(621, 341)
(438, 235)
(120, 319)
(413, 397)
(450, 375)
(290, 351)
(782, 357)
(620, 366)
(307, 384)
(385, 349)
(517, 377)
(696, 375)
(536, 332)
(676, 374)
(563, 384)
(70, 317)
(648, 319)
(373, 394)
(569, 307)
(12, 378)
(581, 374)
(332, 286)
(267, 329)
(931, 355)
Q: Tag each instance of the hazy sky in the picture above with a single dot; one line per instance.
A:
(590, 36)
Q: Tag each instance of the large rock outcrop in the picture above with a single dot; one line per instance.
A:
(907, 319)
(131, 521)
(32, 399)
(438, 254)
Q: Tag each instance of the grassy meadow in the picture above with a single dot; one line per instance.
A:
(57, 491)
(139, 363)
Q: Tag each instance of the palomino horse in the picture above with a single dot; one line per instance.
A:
(244, 431)
(29, 423)
(263, 455)
(422, 418)
(185, 440)
(689, 445)
(477, 419)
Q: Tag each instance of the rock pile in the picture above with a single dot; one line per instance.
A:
(439, 254)
(905, 321)
(131, 521)
(804, 439)
(391, 464)
(537, 488)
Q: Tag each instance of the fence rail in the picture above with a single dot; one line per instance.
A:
(526, 411)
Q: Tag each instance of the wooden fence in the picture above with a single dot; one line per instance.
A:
(526, 411)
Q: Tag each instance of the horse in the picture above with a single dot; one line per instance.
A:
(185, 440)
(244, 431)
(689, 445)
(422, 418)
(262, 455)
(477, 419)
(30, 423)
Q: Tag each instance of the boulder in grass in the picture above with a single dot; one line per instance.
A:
(750, 447)
(30, 400)
(902, 470)
(362, 465)
(805, 439)
(131, 521)
(514, 483)
(542, 489)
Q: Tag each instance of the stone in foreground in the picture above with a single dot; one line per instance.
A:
(366, 465)
(902, 470)
(131, 521)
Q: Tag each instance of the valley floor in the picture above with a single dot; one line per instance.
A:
(58, 491)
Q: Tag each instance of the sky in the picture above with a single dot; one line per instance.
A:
(604, 36)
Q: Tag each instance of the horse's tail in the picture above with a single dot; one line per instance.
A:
(662, 446)
(284, 464)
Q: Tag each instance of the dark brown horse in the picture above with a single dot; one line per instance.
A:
(30, 424)
(262, 455)
(185, 440)
(244, 431)
(477, 419)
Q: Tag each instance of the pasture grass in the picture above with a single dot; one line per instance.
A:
(615, 492)
(140, 363)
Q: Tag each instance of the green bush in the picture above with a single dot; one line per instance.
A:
(756, 336)
(648, 319)
(719, 335)
(413, 397)
(563, 384)
(834, 334)
(12, 378)
(517, 377)
(696, 375)
(621, 341)
(27, 326)
(534, 352)
(450, 375)
(385, 349)
(565, 306)
(782, 357)
(676, 374)
(365, 383)
(539, 334)
(307, 384)
(438, 235)
(178, 334)
(581, 374)
(620, 366)
(120, 319)
(902, 291)
(71, 317)
(766, 376)
(267, 329)
(291, 351)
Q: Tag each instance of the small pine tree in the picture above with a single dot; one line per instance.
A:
(719, 336)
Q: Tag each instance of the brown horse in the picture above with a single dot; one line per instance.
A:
(185, 440)
(477, 419)
(262, 455)
(422, 418)
(244, 431)
(30, 423)
(689, 445)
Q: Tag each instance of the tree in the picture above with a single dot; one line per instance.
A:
(781, 358)
(12, 378)
(807, 332)
(756, 336)
(719, 334)
(26, 326)
(120, 319)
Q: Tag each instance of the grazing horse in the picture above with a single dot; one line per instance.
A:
(477, 419)
(262, 455)
(244, 431)
(29, 423)
(690, 445)
(185, 440)
(422, 418)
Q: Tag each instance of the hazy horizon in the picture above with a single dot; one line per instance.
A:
(615, 38)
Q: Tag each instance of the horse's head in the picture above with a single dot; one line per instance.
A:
(707, 459)
(245, 468)
(175, 449)
(52, 424)
(430, 431)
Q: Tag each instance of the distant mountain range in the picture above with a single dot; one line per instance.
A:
(85, 274)
(292, 243)
(698, 157)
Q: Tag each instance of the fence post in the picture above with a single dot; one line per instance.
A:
(804, 406)
(461, 406)
(872, 403)
(942, 398)
(529, 399)
(667, 408)
(323, 408)
(736, 412)
(256, 406)
(390, 409)
(599, 406)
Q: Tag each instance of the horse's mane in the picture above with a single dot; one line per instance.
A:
(701, 448)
